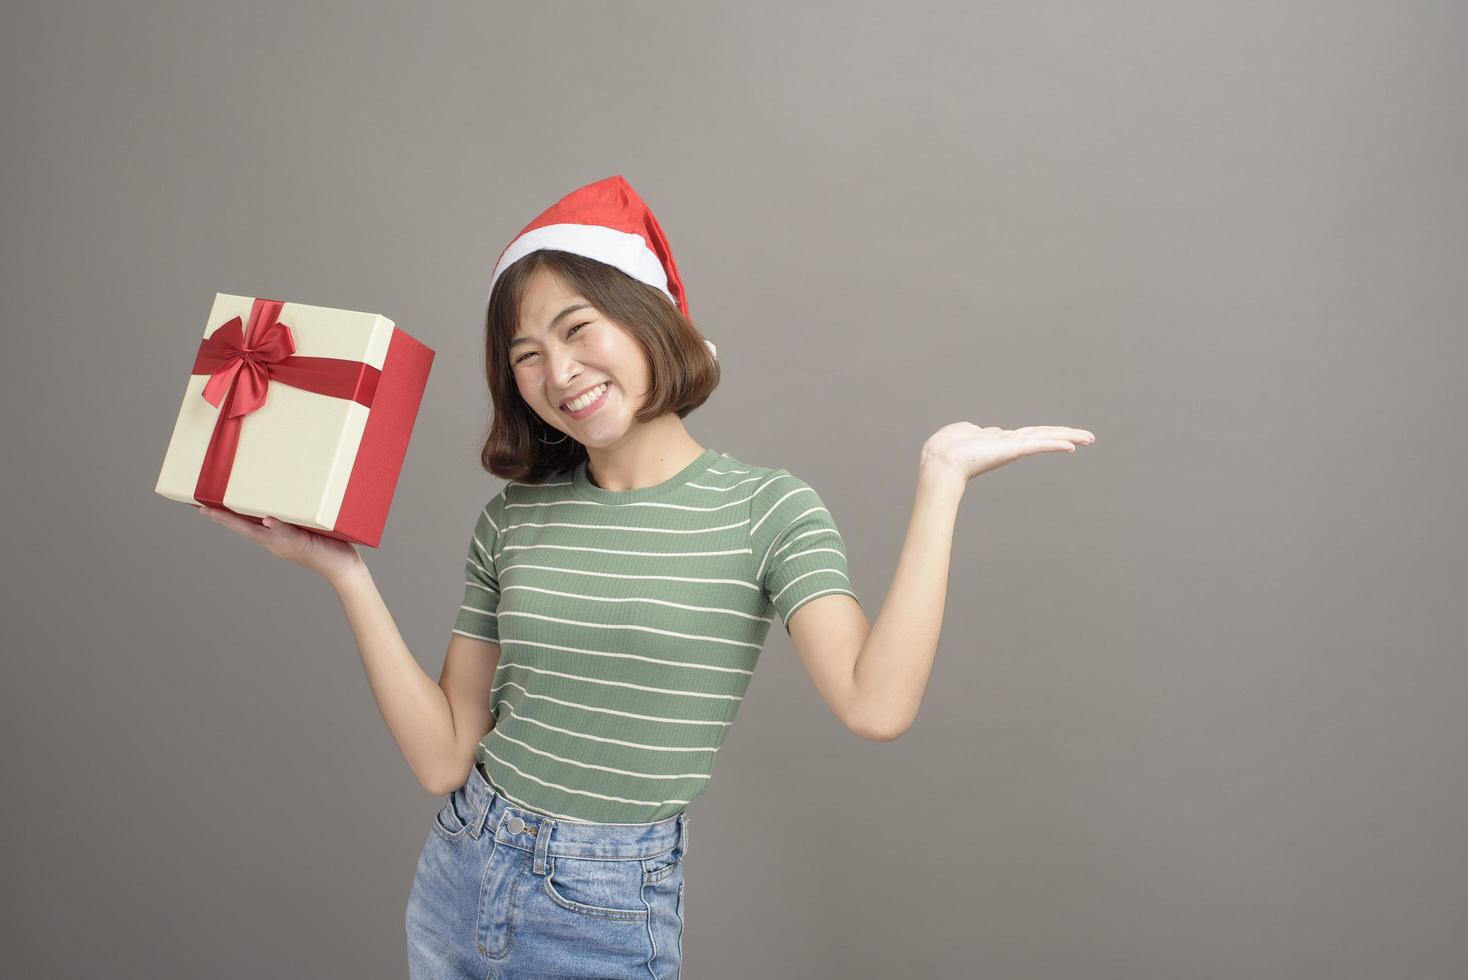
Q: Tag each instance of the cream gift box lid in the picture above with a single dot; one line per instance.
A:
(296, 451)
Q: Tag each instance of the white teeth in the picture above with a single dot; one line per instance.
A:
(587, 398)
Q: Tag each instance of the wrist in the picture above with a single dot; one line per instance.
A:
(346, 577)
(937, 475)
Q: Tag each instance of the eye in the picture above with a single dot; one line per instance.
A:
(568, 337)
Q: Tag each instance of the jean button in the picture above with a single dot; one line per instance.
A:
(515, 824)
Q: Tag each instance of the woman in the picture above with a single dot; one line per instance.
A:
(618, 592)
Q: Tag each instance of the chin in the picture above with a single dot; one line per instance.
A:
(601, 440)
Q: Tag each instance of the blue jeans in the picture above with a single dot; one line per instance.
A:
(504, 892)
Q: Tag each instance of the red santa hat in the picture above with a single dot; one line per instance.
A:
(607, 221)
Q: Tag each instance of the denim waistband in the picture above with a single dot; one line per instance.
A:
(564, 838)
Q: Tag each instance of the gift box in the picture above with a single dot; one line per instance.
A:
(297, 412)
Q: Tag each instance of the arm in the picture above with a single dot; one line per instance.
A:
(437, 726)
(896, 658)
(418, 711)
(873, 677)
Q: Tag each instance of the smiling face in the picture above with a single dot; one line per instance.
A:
(565, 346)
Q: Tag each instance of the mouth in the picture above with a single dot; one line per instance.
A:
(597, 396)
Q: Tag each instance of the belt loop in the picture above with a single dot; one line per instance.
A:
(682, 835)
(481, 817)
(486, 797)
(542, 844)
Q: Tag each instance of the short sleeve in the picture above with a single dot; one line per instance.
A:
(477, 615)
(797, 549)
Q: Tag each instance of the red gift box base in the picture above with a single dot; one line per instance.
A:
(384, 444)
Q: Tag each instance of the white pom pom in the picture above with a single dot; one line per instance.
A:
(712, 349)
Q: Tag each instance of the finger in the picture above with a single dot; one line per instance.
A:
(1050, 446)
(1061, 431)
(1079, 437)
(234, 522)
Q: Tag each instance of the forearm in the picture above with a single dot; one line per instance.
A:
(892, 670)
(414, 706)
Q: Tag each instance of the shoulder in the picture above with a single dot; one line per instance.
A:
(778, 482)
(491, 516)
(754, 475)
(554, 488)
(761, 477)
(777, 498)
(756, 481)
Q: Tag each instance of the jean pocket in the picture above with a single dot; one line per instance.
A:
(657, 868)
(601, 889)
(452, 819)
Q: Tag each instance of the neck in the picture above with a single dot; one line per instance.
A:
(649, 454)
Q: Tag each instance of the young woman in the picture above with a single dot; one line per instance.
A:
(618, 592)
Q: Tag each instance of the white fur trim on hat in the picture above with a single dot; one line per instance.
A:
(620, 249)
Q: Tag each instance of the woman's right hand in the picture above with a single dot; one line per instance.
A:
(306, 548)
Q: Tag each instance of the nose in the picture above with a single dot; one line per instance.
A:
(563, 370)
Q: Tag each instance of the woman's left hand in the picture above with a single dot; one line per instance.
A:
(966, 450)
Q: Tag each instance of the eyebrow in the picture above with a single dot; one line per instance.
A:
(559, 316)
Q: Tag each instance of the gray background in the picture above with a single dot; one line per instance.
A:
(1196, 709)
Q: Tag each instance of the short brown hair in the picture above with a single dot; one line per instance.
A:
(682, 370)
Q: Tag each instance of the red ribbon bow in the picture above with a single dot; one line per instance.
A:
(241, 363)
(242, 366)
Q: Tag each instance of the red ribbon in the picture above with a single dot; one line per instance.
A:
(241, 363)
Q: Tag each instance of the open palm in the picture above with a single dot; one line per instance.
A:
(969, 450)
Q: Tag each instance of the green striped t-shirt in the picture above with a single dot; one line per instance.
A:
(629, 625)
